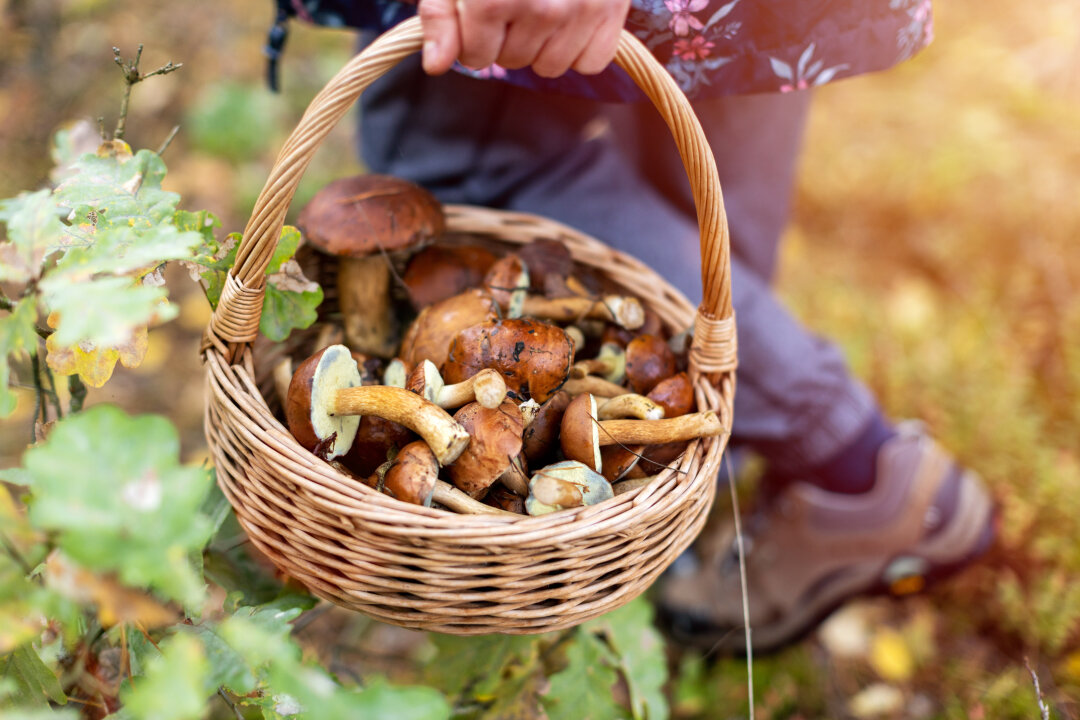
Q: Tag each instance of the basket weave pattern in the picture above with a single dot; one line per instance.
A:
(428, 568)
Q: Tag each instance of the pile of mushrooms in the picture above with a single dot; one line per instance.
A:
(517, 386)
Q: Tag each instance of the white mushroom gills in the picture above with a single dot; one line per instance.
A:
(336, 370)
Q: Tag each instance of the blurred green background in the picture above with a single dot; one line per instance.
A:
(937, 212)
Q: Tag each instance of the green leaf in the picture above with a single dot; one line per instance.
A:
(105, 312)
(111, 487)
(34, 231)
(639, 650)
(35, 684)
(477, 664)
(17, 337)
(285, 310)
(175, 686)
(582, 691)
(288, 244)
(124, 189)
(124, 250)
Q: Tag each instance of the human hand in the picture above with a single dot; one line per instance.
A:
(550, 36)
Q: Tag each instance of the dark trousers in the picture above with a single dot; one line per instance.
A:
(612, 172)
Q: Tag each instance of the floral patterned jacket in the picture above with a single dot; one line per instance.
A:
(710, 47)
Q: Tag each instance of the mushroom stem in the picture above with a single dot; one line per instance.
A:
(626, 486)
(654, 432)
(364, 299)
(446, 438)
(449, 496)
(485, 387)
(625, 311)
(594, 386)
(629, 405)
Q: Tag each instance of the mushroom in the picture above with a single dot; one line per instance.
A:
(366, 221)
(508, 283)
(326, 401)
(576, 336)
(582, 433)
(565, 485)
(505, 499)
(495, 442)
(621, 336)
(441, 271)
(630, 405)
(594, 386)
(540, 434)
(516, 476)
(412, 474)
(675, 394)
(617, 461)
(453, 499)
(648, 361)
(429, 335)
(610, 364)
(396, 373)
(550, 264)
(485, 387)
(532, 356)
(624, 310)
(376, 438)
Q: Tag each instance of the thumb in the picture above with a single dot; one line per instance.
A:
(442, 40)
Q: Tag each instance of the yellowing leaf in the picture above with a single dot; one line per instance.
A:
(890, 657)
(115, 603)
(93, 364)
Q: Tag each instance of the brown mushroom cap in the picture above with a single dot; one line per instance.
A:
(549, 263)
(505, 499)
(375, 438)
(580, 432)
(534, 357)
(432, 331)
(618, 460)
(495, 442)
(441, 271)
(648, 361)
(675, 394)
(412, 475)
(540, 434)
(508, 281)
(361, 215)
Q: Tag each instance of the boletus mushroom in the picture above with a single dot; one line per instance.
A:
(609, 363)
(623, 310)
(583, 434)
(648, 361)
(326, 401)
(565, 485)
(508, 283)
(441, 271)
(368, 221)
(532, 356)
(495, 443)
(430, 334)
(485, 387)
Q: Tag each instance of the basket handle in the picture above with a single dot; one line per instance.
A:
(235, 321)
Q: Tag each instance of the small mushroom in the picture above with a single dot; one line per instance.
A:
(576, 336)
(532, 356)
(594, 386)
(367, 221)
(583, 434)
(505, 499)
(624, 310)
(630, 405)
(485, 387)
(610, 364)
(376, 439)
(495, 442)
(430, 334)
(508, 283)
(451, 498)
(326, 401)
(648, 361)
(617, 461)
(675, 394)
(540, 434)
(412, 475)
(396, 373)
(550, 265)
(621, 336)
(565, 485)
(516, 477)
(441, 271)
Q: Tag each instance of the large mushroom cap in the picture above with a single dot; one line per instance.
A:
(361, 215)
(309, 407)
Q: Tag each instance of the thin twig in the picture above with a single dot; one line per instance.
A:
(165, 145)
(15, 554)
(78, 393)
(742, 581)
(35, 368)
(1044, 711)
(132, 77)
(230, 703)
(51, 392)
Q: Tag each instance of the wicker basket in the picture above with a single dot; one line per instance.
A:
(427, 568)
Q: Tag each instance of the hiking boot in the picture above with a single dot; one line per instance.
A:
(808, 551)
